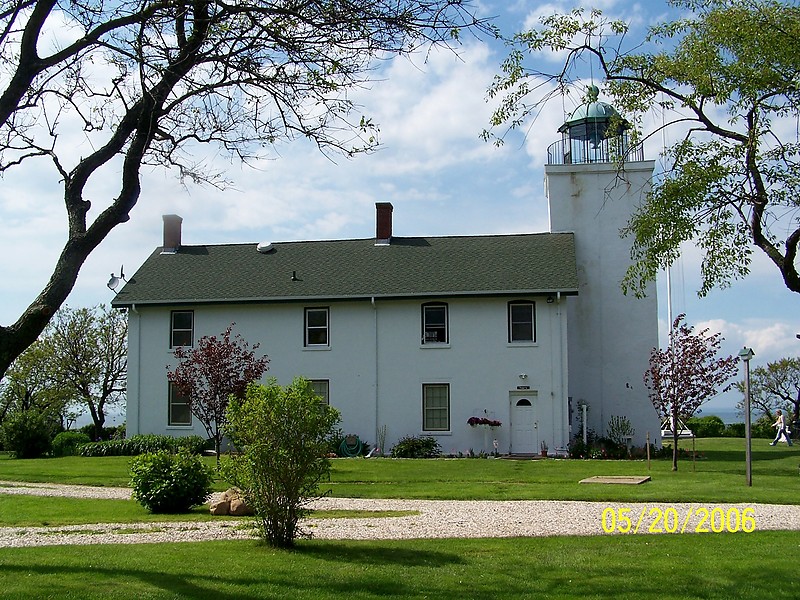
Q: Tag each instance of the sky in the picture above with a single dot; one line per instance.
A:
(432, 166)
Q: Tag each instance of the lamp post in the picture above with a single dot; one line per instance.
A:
(746, 354)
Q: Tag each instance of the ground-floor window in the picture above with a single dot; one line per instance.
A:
(179, 413)
(321, 388)
(436, 407)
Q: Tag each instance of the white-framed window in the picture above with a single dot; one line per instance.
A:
(436, 407)
(317, 327)
(434, 323)
(321, 388)
(181, 331)
(521, 321)
(179, 414)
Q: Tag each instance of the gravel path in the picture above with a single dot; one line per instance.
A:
(435, 519)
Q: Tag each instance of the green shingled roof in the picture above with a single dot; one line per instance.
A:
(341, 269)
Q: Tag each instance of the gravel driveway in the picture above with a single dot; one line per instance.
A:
(435, 519)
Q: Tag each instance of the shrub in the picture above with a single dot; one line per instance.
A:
(66, 443)
(417, 447)
(144, 444)
(27, 434)
(734, 430)
(762, 428)
(170, 483)
(703, 427)
(619, 430)
(283, 434)
(607, 448)
(108, 433)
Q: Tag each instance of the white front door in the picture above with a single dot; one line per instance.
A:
(524, 426)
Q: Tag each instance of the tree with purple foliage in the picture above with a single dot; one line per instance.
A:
(686, 374)
(213, 371)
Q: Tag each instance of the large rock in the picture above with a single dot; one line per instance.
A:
(239, 508)
(231, 503)
(220, 507)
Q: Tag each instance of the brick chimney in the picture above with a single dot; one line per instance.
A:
(172, 234)
(383, 223)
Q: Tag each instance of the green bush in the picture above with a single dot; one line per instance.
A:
(763, 428)
(144, 444)
(116, 432)
(284, 435)
(27, 434)
(416, 447)
(703, 427)
(734, 430)
(170, 483)
(760, 428)
(66, 443)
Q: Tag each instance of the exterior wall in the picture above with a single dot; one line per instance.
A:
(376, 366)
(610, 334)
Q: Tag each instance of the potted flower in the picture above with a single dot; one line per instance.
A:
(544, 449)
(475, 421)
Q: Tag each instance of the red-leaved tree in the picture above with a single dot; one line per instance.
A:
(211, 372)
(686, 374)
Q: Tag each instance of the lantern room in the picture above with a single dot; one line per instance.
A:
(594, 133)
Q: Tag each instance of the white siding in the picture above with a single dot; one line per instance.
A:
(376, 365)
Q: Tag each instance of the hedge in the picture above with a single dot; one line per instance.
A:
(144, 444)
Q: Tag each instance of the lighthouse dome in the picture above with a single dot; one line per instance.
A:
(592, 111)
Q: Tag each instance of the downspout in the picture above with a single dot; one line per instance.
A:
(563, 359)
(375, 326)
(138, 351)
(138, 374)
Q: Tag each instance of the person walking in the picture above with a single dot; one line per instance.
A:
(780, 425)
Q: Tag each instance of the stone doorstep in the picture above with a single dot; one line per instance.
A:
(619, 479)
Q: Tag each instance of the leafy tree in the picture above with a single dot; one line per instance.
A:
(775, 386)
(28, 434)
(683, 376)
(725, 74)
(282, 433)
(149, 83)
(213, 372)
(88, 353)
(30, 384)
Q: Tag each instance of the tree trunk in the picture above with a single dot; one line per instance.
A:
(675, 437)
(217, 447)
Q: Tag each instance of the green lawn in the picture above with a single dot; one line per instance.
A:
(719, 475)
(752, 565)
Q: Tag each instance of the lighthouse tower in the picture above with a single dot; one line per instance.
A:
(594, 180)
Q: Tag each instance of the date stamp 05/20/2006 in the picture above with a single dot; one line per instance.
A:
(684, 519)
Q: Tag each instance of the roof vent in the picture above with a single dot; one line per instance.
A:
(265, 247)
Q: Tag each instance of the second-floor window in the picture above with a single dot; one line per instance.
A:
(181, 328)
(521, 321)
(434, 323)
(317, 327)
